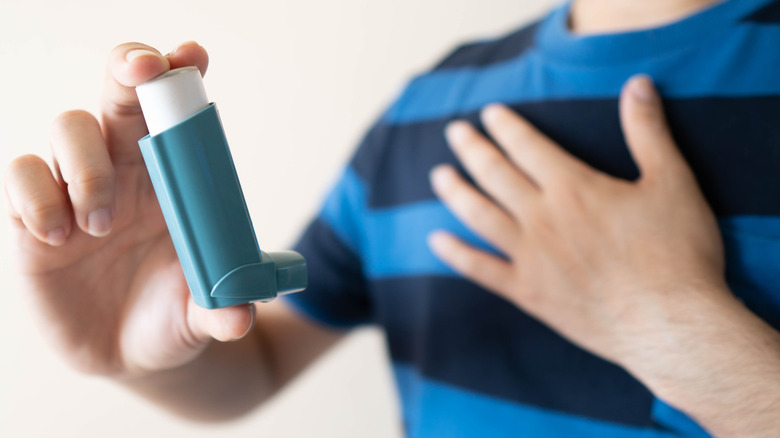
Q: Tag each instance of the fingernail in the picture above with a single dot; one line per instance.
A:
(457, 131)
(441, 176)
(643, 89)
(99, 222)
(56, 237)
(136, 53)
(186, 43)
(173, 52)
(437, 240)
(252, 316)
(491, 112)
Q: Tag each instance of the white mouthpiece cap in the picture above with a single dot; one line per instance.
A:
(171, 98)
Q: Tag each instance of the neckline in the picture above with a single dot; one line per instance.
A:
(555, 39)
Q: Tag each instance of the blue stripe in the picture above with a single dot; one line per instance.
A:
(343, 208)
(435, 409)
(671, 417)
(532, 78)
(758, 226)
(691, 32)
(392, 241)
(753, 263)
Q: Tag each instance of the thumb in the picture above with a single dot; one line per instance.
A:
(646, 130)
(227, 324)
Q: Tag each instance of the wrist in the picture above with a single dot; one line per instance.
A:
(709, 356)
(674, 339)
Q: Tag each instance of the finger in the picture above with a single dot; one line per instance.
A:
(646, 130)
(474, 209)
(536, 155)
(490, 169)
(129, 65)
(37, 200)
(187, 54)
(228, 324)
(86, 168)
(487, 270)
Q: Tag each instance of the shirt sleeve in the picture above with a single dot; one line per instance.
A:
(334, 245)
(337, 292)
(338, 257)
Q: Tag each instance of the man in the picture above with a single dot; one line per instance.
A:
(631, 272)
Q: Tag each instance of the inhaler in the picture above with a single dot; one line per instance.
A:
(192, 171)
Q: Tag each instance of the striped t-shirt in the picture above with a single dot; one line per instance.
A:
(468, 363)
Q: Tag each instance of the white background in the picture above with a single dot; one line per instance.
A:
(297, 83)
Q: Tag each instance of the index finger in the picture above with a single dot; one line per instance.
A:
(540, 158)
(129, 65)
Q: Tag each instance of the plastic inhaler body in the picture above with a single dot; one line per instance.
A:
(193, 175)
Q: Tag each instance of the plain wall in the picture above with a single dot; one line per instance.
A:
(297, 82)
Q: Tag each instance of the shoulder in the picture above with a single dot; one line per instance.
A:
(485, 52)
(393, 140)
(451, 77)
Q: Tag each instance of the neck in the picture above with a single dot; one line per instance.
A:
(605, 16)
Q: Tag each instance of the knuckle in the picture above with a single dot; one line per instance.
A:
(468, 264)
(121, 106)
(41, 211)
(92, 180)
(492, 163)
(539, 222)
(571, 194)
(519, 132)
(531, 297)
(478, 211)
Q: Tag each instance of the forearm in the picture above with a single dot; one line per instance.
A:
(720, 364)
(226, 381)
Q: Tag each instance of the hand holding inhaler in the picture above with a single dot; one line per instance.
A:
(110, 295)
(196, 184)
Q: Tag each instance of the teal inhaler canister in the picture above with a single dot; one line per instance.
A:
(192, 171)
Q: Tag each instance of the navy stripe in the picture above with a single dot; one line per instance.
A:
(483, 53)
(436, 409)
(336, 294)
(731, 143)
(462, 335)
(393, 244)
(769, 14)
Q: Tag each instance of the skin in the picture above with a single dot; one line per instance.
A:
(631, 271)
(603, 16)
(98, 266)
